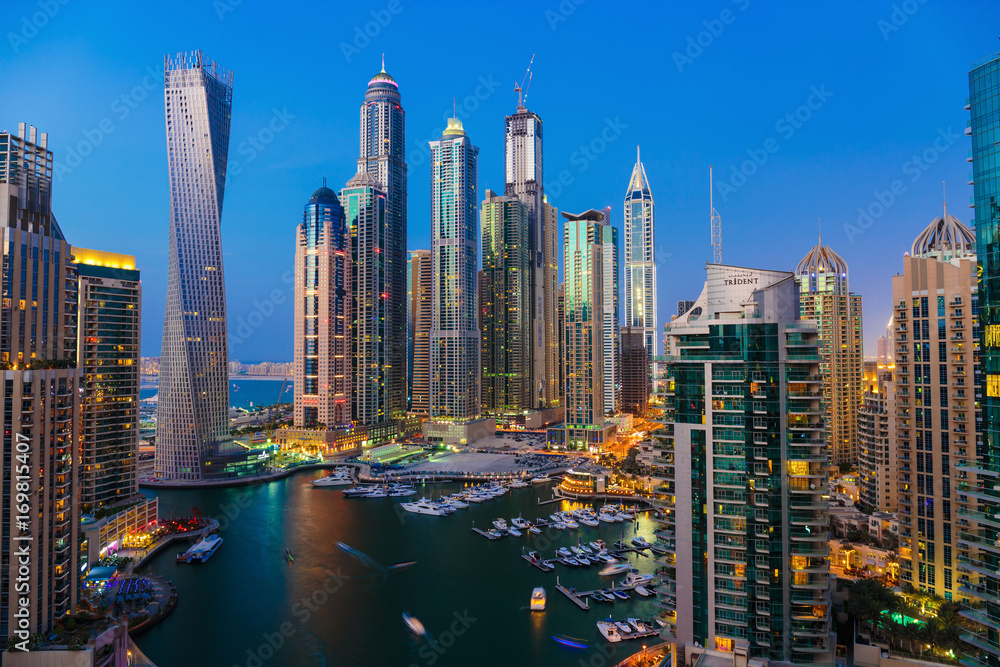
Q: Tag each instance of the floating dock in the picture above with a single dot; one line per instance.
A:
(542, 565)
(485, 534)
(574, 597)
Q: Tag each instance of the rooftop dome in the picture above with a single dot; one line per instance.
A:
(454, 128)
(821, 259)
(945, 236)
(383, 76)
(324, 193)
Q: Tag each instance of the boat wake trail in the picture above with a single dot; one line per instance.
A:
(370, 563)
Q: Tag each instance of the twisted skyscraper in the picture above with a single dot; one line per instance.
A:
(192, 415)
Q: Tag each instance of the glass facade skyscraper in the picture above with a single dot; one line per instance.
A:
(640, 261)
(193, 397)
(380, 253)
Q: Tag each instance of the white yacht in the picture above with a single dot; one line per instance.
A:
(337, 478)
(518, 484)
(538, 599)
(635, 579)
(518, 522)
(202, 551)
(542, 480)
(607, 517)
(514, 531)
(500, 524)
(625, 629)
(609, 630)
(423, 507)
(587, 521)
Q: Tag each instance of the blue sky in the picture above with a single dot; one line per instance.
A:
(806, 111)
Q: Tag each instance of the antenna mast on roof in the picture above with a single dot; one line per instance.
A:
(522, 89)
(716, 223)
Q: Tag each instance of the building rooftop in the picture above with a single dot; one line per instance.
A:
(946, 237)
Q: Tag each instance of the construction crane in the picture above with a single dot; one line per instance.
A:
(274, 410)
(522, 88)
(716, 221)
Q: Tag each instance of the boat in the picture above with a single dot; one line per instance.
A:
(596, 547)
(568, 561)
(601, 597)
(621, 595)
(403, 493)
(538, 599)
(607, 558)
(633, 578)
(378, 492)
(569, 523)
(456, 503)
(587, 550)
(515, 532)
(424, 507)
(493, 533)
(357, 491)
(643, 591)
(534, 530)
(415, 626)
(336, 479)
(289, 556)
(587, 521)
(609, 630)
(625, 629)
(614, 567)
(577, 551)
(564, 552)
(640, 542)
(202, 551)
(500, 524)
(542, 480)
(518, 522)
(518, 484)
(606, 517)
(558, 525)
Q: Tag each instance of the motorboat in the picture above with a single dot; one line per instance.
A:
(606, 517)
(625, 629)
(577, 551)
(587, 550)
(358, 491)
(596, 547)
(587, 521)
(515, 532)
(601, 597)
(202, 550)
(607, 558)
(569, 523)
(633, 578)
(494, 533)
(555, 518)
(402, 492)
(621, 595)
(609, 630)
(288, 556)
(558, 525)
(641, 542)
(538, 599)
(568, 561)
(500, 524)
(613, 568)
(415, 626)
(457, 503)
(423, 507)
(594, 559)
(336, 479)
(378, 492)
(519, 484)
(518, 522)
(639, 624)
(534, 530)
(564, 552)
(542, 480)
(643, 591)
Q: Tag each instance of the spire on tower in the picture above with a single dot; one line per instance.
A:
(383, 63)
(944, 199)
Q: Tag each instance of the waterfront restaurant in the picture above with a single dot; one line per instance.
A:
(585, 480)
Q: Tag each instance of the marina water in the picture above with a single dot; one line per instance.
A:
(248, 606)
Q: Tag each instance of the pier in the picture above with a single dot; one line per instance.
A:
(485, 534)
(543, 565)
(574, 597)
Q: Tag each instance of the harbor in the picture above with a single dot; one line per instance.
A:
(261, 589)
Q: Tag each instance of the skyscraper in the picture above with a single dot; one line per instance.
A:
(877, 447)
(523, 170)
(635, 371)
(640, 261)
(41, 388)
(373, 283)
(585, 334)
(193, 396)
(505, 305)
(826, 297)
(108, 339)
(980, 577)
(419, 317)
(381, 253)
(612, 316)
(935, 306)
(323, 315)
(455, 336)
(742, 461)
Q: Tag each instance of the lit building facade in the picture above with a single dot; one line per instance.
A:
(108, 340)
(584, 334)
(505, 304)
(419, 318)
(936, 309)
(41, 389)
(381, 251)
(640, 260)
(877, 457)
(826, 298)
(193, 396)
(635, 371)
(455, 337)
(612, 341)
(741, 466)
(323, 315)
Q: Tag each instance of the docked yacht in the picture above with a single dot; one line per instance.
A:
(564, 552)
(643, 591)
(587, 521)
(359, 491)
(633, 578)
(641, 542)
(542, 480)
(519, 484)
(514, 531)
(519, 523)
(201, 551)
(609, 630)
(606, 517)
(337, 478)
(625, 628)
(500, 524)
(424, 507)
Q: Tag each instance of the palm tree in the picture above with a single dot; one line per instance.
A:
(867, 599)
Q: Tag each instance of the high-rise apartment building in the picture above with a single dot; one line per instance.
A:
(612, 316)
(323, 315)
(980, 526)
(585, 336)
(935, 307)
(877, 455)
(39, 507)
(373, 357)
(826, 298)
(455, 366)
(640, 260)
(636, 377)
(561, 332)
(193, 396)
(381, 251)
(108, 340)
(418, 282)
(505, 305)
(523, 179)
(742, 462)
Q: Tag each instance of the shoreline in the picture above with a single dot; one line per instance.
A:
(155, 379)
